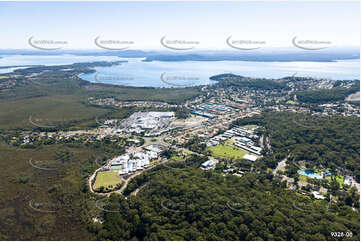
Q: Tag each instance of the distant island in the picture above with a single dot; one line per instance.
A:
(263, 55)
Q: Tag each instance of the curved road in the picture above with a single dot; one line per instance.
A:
(147, 141)
(124, 185)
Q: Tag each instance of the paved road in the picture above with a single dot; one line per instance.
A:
(91, 178)
(147, 141)
(160, 140)
(134, 193)
(280, 165)
(124, 185)
(261, 141)
(268, 143)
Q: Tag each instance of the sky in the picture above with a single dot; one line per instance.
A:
(208, 23)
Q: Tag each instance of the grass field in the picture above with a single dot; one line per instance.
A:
(106, 179)
(177, 157)
(250, 126)
(226, 151)
(291, 102)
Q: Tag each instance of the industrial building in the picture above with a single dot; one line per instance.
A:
(130, 163)
(152, 122)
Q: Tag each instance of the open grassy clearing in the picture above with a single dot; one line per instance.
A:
(106, 179)
(226, 151)
(177, 157)
(291, 102)
(251, 126)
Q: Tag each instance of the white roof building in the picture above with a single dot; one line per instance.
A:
(348, 180)
(154, 148)
(256, 148)
(119, 160)
(250, 157)
(208, 164)
(317, 195)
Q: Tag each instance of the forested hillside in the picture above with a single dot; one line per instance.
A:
(327, 95)
(227, 80)
(328, 142)
(192, 204)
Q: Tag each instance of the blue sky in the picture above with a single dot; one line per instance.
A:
(210, 23)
